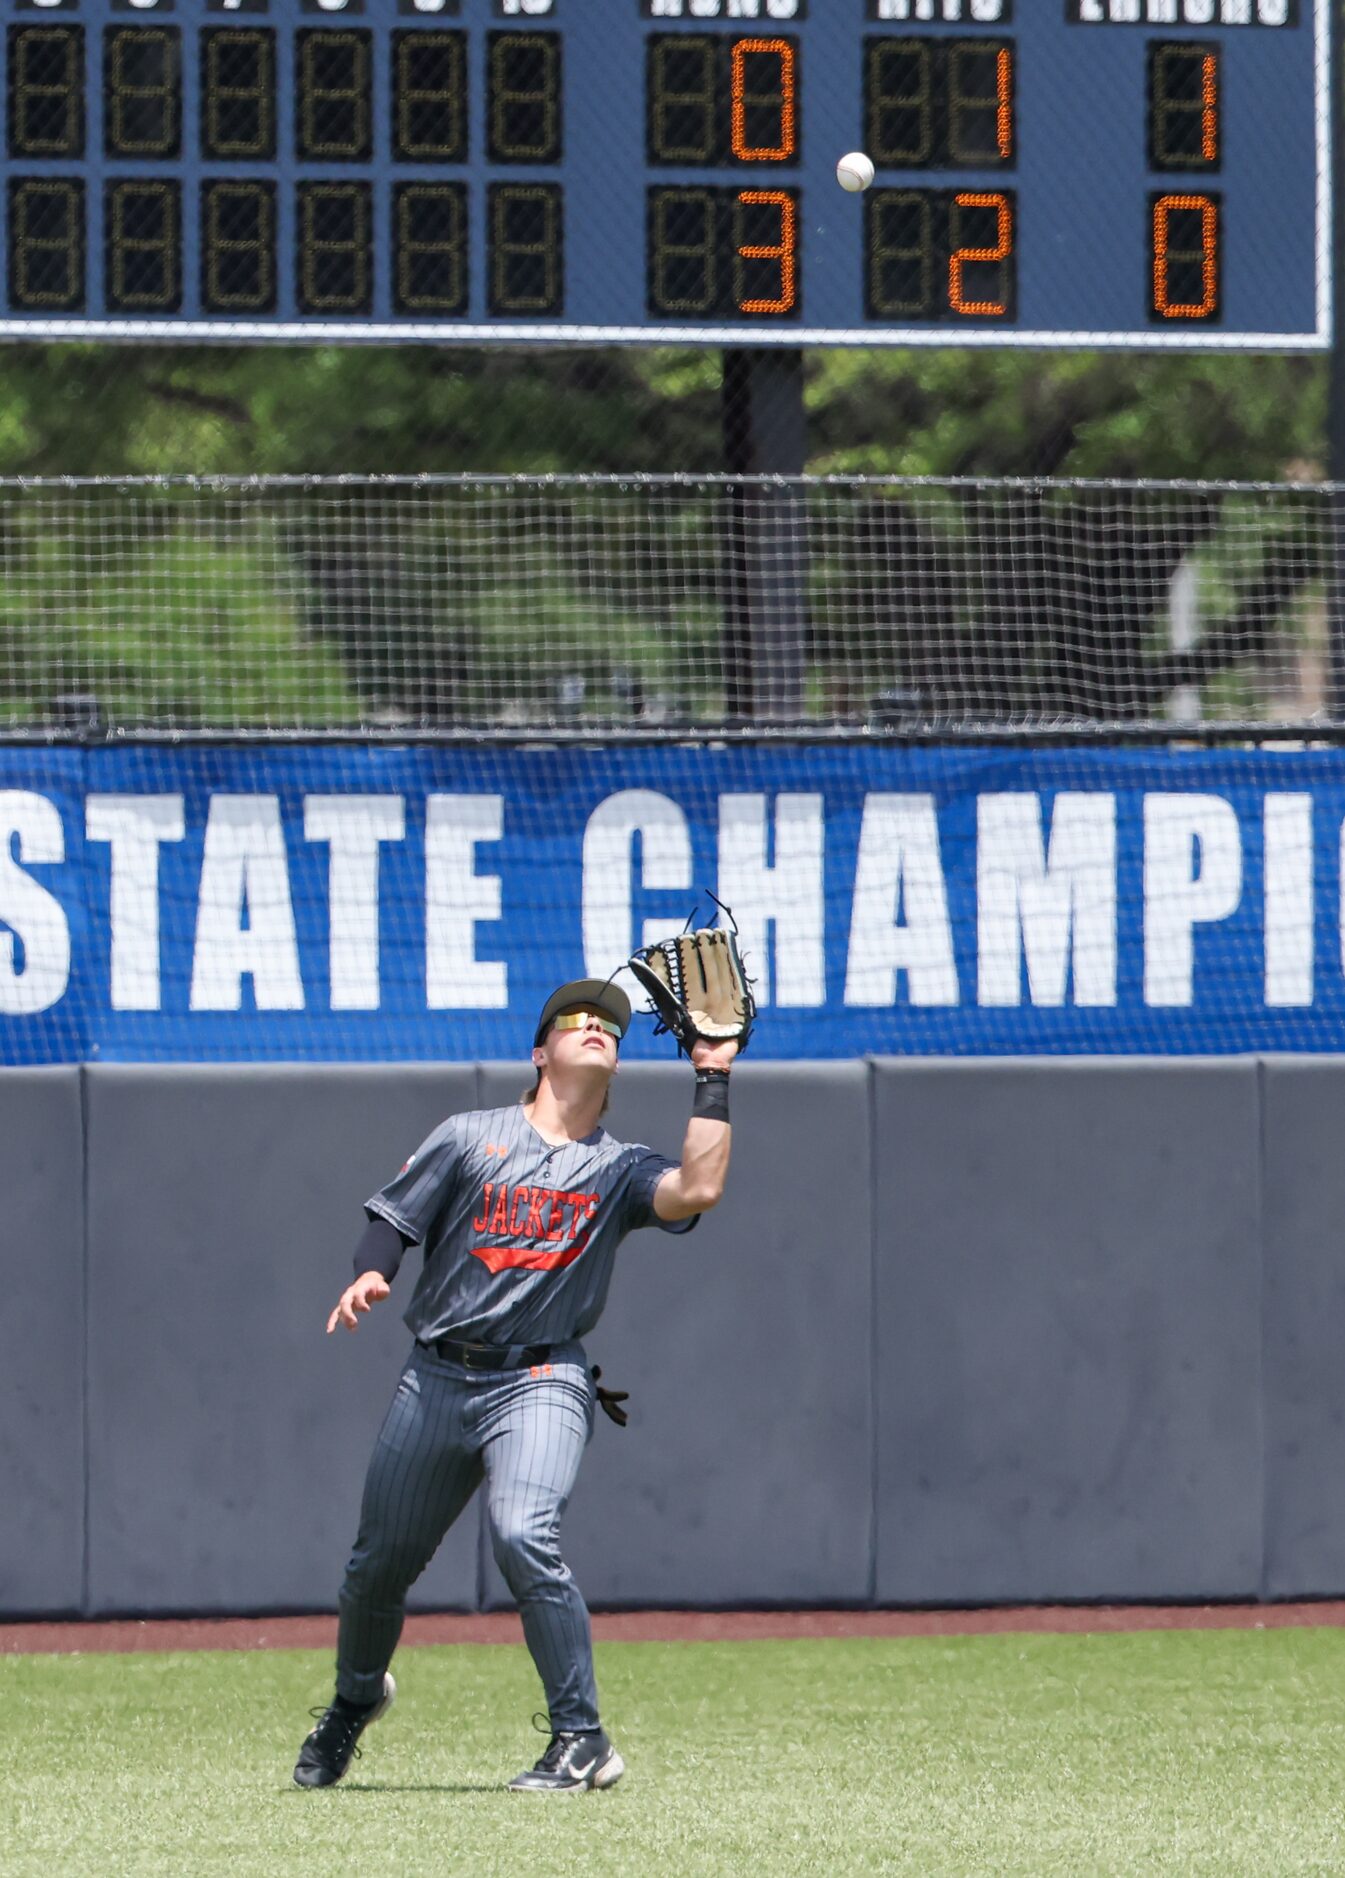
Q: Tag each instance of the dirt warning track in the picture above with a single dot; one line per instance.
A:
(315, 1633)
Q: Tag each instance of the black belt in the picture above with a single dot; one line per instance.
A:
(488, 1355)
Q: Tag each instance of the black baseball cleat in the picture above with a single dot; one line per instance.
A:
(329, 1750)
(573, 1763)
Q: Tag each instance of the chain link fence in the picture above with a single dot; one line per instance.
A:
(661, 606)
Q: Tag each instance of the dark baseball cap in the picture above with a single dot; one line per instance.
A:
(599, 994)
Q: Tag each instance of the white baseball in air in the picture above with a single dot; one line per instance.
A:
(854, 172)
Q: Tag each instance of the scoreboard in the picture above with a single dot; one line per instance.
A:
(1048, 172)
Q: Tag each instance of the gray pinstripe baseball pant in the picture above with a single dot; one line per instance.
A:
(446, 1429)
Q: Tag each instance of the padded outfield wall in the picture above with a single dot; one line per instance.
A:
(1029, 1292)
(959, 1333)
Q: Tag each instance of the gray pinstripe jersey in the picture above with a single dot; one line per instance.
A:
(519, 1236)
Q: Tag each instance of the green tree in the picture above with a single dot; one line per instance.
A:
(425, 623)
(82, 410)
(1110, 414)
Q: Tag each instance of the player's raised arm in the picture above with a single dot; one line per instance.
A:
(698, 1184)
(701, 993)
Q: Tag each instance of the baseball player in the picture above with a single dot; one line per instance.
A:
(520, 1211)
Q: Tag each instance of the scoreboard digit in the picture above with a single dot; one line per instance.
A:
(933, 104)
(429, 97)
(1147, 173)
(238, 246)
(237, 94)
(46, 91)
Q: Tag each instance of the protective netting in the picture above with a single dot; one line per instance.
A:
(659, 605)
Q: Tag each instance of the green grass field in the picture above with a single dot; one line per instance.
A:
(1218, 1752)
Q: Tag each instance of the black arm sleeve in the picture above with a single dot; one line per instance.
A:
(380, 1250)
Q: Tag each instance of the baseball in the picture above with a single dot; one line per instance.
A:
(854, 172)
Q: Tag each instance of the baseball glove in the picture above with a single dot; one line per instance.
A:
(697, 987)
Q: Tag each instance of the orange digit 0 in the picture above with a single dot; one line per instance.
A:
(1208, 211)
(962, 257)
(780, 152)
(784, 251)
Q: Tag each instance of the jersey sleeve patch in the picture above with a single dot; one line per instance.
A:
(414, 1197)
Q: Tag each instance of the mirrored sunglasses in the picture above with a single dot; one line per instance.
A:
(576, 1020)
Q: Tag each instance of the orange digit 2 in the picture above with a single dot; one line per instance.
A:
(785, 251)
(963, 257)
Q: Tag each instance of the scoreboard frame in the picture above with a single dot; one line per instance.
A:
(736, 194)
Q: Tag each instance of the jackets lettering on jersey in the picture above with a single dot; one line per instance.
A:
(530, 1221)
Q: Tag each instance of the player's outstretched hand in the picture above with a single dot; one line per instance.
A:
(714, 1055)
(367, 1289)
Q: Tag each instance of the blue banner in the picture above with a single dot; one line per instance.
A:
(270, 902)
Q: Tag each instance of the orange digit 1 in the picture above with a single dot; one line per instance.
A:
(784, 251)
(1209, 108)
(1004, 102)
(787, 95)
(1208, 210)
(962, 257)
